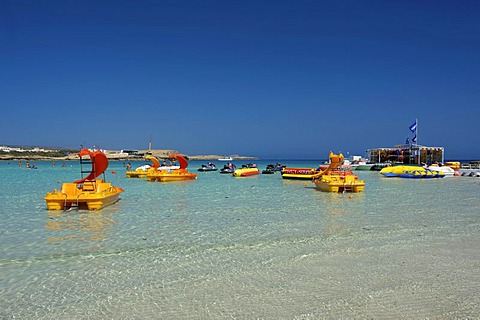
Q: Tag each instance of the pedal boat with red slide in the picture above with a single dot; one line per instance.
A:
(88, 193)
(337, 179)
(167, 175)
(142, 171)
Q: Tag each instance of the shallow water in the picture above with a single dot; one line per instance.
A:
(258, 247)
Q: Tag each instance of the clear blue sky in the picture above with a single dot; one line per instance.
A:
(273, 79)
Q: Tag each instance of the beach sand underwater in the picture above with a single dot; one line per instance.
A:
(259, 247)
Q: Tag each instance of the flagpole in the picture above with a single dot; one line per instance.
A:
(416, 131)
(416, 142)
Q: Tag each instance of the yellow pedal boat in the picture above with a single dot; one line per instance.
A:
(88, 193)
(341, 181)
(142, 172)
(455, 165)
(180, 174)
(333, 179)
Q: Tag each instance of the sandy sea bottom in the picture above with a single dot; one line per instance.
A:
(259, 247)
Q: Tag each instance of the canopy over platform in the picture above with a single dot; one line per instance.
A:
(407, 154)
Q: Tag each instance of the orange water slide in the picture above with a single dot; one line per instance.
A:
(99, 164)
(155, 162)
(183, 162)
(336, 160)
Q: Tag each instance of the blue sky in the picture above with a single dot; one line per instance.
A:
(273, 79)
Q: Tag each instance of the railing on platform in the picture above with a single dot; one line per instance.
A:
(470, 166)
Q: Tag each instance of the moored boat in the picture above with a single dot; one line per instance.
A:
(379, 166)
(336, 178)
(208, 167)
(180, 174)
(141, 172)
(269, 169)
(448, 171)
(228, 168)
(87, 193)
(339, 181)
(362, 165)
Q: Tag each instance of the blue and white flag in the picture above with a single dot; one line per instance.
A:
(413, 127)
(407, 141)
(414, 139)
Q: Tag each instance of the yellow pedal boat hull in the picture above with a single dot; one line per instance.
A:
(340, 183)
(136, 174)
(174, 175)
(92, 195)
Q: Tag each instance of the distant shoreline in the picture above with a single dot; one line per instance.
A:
(195, 158)
(31, 156)
(159, 154)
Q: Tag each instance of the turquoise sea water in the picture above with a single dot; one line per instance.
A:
(244, 248)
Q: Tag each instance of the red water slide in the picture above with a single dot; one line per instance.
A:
(99, 164)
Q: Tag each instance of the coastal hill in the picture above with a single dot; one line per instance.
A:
(64, 154)
(166, 153)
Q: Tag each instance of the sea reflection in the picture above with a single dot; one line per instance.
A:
(298, 182)
(338, 210)
(88, 225)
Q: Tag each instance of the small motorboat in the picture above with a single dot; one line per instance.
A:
(270, 169)
(249, 169)
(225, 159)
(87, 193)
(448, 171)
(362, 165)
(180, 174)
(228, 168)
(208, 167)
(336, 178)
